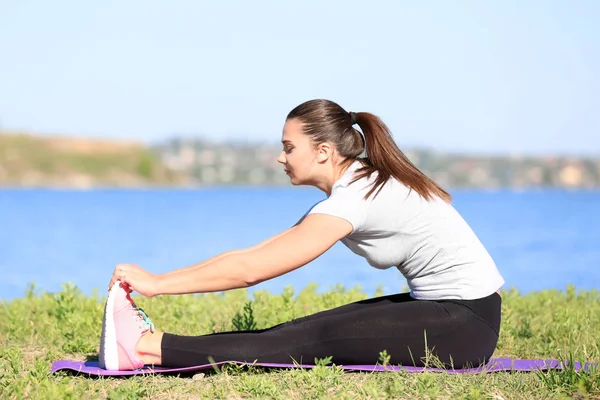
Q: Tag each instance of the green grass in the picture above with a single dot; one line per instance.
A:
(39, 328)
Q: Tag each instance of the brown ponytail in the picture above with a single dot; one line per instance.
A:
(384, 156)
(326, 121)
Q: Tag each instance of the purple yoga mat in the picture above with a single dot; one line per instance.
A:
(495, 365)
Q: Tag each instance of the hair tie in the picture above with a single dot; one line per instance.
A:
(352, 118)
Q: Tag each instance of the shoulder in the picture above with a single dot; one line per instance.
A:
(344, 203)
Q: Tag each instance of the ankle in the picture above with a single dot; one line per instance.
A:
(148, 348)
(144, 345)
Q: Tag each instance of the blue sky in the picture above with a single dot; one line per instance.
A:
(465, 76)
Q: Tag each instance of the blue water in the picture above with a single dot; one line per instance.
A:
(539, 239)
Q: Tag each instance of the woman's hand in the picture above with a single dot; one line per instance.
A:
(134, 277)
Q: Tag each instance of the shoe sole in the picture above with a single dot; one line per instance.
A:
(109, 355)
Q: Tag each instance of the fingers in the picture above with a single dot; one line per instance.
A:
(112, 282)
(120, 274)
(124, 281)
(127, 274)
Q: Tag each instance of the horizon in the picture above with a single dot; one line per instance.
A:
(475, 78)
(259, 141)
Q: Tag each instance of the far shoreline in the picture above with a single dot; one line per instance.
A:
(458, 189)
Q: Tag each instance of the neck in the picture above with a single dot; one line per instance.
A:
(335, 173)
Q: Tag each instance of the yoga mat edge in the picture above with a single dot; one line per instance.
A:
(494, 365)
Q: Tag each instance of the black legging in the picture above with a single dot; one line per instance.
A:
(458, 332)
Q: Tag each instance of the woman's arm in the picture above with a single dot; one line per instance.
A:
(225, 254)
(231, 252)
(276, 256)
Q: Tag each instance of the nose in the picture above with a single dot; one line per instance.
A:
(281, 158)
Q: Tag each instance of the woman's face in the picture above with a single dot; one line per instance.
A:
(299, 155)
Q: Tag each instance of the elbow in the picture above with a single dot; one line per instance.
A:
(249, 274)
(251, 281)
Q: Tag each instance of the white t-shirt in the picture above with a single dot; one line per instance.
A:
(428, 241)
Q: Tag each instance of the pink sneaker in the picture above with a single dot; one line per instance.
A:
(122, 327)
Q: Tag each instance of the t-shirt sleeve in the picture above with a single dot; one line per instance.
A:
(350, 208)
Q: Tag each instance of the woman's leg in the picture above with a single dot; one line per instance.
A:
(354, 334)
(150, 351)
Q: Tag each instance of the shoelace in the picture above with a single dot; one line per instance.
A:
(145, 319)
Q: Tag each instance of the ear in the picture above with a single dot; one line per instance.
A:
(324, 152)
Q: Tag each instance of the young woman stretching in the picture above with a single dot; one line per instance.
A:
(381, 207)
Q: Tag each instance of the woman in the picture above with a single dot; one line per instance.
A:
(385, 210)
